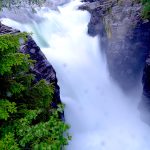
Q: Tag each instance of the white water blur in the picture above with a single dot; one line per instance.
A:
(100, 115)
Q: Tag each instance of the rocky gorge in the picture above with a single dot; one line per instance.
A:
(99, 75)
(125, 40)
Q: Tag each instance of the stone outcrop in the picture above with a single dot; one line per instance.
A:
(42, 68)
(124, 37)
(7, 30)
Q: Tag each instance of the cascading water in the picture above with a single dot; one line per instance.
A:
(100, 115)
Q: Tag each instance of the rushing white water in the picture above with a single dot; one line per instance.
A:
(100, 115)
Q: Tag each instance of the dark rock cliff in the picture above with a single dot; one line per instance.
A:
(42, 68)
(124, 37)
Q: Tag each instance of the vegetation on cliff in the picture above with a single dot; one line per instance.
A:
(146, 9)
(27, 118)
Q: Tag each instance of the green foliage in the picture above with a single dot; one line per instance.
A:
(8, 142)
(6, 107)
(43, 92)
(146, 9)
(49, 132)
(10, 58)
(27, 120)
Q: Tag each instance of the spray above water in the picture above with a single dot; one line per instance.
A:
(100, 115)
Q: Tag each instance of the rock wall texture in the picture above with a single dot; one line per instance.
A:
(124, 37)
(42, 68)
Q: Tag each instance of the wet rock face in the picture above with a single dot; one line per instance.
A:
(127, 55)
(5, 29)
(42, 68)
(124, 38)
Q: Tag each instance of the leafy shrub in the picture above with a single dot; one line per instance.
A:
(27, 119)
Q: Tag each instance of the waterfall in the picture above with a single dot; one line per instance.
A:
(101, 116)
